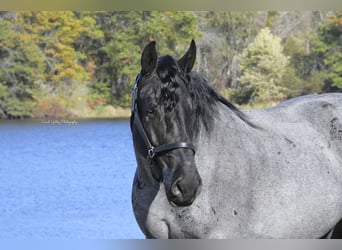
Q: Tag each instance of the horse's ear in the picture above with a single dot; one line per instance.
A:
(188, 60)
(149, 58)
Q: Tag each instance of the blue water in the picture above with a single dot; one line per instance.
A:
(66, 180)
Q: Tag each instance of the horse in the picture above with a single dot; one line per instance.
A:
(206, 169)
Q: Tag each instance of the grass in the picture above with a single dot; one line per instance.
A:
(107, 111)
(52, 107)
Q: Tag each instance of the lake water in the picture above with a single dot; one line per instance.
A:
(65, 180)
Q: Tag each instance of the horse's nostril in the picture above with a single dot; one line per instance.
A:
(176, 189)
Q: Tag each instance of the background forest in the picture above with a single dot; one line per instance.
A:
(83, 64)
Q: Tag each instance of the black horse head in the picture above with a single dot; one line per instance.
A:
(163, 122)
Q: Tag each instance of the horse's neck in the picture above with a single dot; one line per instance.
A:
(226, 126)
(227, 139)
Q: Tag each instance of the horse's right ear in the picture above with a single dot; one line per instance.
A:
(187, 61)
(149, 58)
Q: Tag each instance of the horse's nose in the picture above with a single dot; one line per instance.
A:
(183, 194)
(177, 189)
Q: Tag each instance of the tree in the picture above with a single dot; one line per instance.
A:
(21, 67)
(126, 34)
(59, 35)
(263, 64)
(226, 34)
(64, 40)
(327, 49)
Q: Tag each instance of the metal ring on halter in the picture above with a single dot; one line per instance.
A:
(150, 153)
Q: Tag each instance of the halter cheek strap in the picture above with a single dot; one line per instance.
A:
(152, 151)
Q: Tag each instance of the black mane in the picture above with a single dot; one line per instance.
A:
(204, 97)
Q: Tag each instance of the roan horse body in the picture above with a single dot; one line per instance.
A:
(272, 173)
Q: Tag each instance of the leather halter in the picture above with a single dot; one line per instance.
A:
(152, 151)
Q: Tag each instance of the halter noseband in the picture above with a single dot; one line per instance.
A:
(152, 151)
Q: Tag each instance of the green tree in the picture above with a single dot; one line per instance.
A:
(20, 70)
(263, 64)
(327, 49)
(299, 77)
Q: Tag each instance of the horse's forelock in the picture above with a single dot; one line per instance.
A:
(168, 70)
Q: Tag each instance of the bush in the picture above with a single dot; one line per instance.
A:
(50, 107)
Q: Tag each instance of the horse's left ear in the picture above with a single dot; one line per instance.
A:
(188, 60)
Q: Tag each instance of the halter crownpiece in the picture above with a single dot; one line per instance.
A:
(152, 151)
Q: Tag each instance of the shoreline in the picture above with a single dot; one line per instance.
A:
(106, 112)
